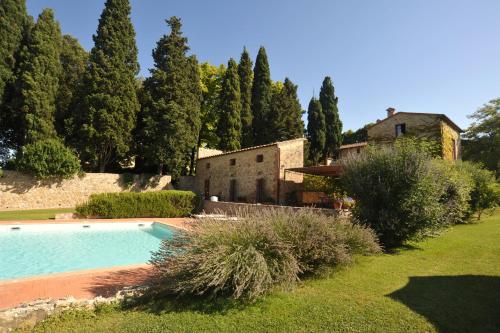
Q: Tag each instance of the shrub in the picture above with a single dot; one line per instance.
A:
(258, 252)
(484, 194)
(146, 204)
(396, 192)
(48, 158)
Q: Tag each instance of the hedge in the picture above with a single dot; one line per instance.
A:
(146, 204)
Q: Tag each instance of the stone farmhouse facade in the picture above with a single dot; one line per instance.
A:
(255, 175)
(419, 125)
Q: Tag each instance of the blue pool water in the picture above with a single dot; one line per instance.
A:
(44, 249)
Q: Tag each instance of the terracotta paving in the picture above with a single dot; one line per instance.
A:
(81, 284)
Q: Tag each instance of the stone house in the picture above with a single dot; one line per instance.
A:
(255, 174)
(434, 126)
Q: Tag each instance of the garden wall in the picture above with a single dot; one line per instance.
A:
(20, 191)
(230, 208)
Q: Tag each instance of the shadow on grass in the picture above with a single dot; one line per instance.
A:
(464, 303)
(403, 248)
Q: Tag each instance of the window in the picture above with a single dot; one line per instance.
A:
(260, 158)
(400, 129)
(260, 194)
(358, 150)
(206, 190)
(232, 190)
(208, 165)
(232, 161)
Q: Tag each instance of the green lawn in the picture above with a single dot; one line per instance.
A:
(33, 214)
(446, 284)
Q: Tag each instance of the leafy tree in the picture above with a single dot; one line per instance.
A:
(316, 130)
(73, 60)
(107, 112)
(246, 77)
(483, 137)
(211, 85)
(286, 120)
(360, 135)
(47, 158)
(172, 109)
(333, 128)
(36, 86)
(261, 99)
(229, 127)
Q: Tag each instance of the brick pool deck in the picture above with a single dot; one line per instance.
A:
(80, 284)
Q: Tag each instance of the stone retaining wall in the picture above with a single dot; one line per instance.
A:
(20, 191)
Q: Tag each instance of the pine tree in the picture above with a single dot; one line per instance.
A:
(15, 25)
(37, 83)
(261, 99)
(246, 76)
(73, 60)
(329, 104)
(229, 127)
(107, 112)
(316, 130)
(172, 109)
(287, 121)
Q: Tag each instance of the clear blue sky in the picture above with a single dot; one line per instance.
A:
(440, 56)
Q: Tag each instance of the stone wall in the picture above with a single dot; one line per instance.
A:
(451, 143)
(232, 208)
(19, 191)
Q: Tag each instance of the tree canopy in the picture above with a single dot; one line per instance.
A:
(333, 127)
(286, 115)
(246, 77)
(316, 130)
(261, 99)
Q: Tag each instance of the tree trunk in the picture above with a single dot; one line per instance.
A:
(160, 169)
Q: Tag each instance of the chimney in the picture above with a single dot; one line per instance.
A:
(390, 112)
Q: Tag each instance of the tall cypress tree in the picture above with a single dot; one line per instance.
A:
(287, 113)
(261, 99)
(229, 127)
(109, 106)
(246, 76)
(15, 25)
(37, 83)
(316, 130)
(172, 103)
(73, 60)
(329, 104)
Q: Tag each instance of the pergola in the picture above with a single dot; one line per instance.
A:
(320, 170)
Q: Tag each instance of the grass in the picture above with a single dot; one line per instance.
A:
(450, 283)
(33, 214)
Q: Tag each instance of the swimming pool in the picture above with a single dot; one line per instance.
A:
(36, 249)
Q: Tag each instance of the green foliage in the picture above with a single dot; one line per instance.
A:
(35, 91)
(314, 183)
(73, 59)
(397, 192)
(360, 135)
(261, 99)
(483, 137)
(316, 128)
(286, 116)
(229, 127)
(109, 104)
(47, 159)
(211, 85)
(485, 192)
(246, 77)
(261, 251)
(333, 124)
(172, 103)
(145, 204)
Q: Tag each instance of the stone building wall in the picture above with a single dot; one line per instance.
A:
(417, 125)
(20, 191)
(451, 143)
(247, 170)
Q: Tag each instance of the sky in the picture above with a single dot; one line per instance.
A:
(437, 56)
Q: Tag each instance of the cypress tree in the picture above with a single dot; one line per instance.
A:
(37, 83)
(316, 130)
(246, 76)
(229, 127)
(15, 25)
(172, 109)
(329, 104)
(261, 99)
(287, 121)
(73, 60)
(107, 112)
